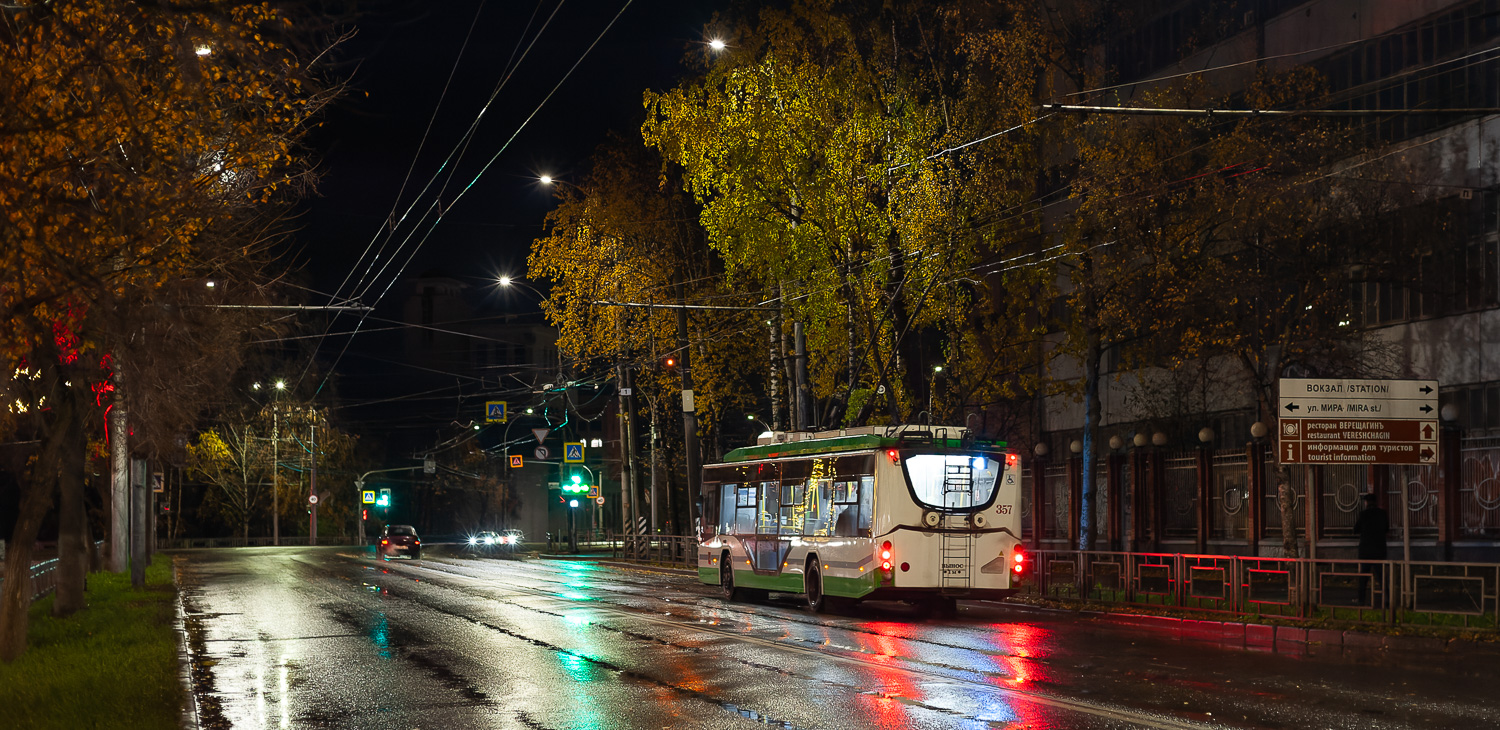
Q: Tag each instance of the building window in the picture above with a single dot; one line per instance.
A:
(1478, 405)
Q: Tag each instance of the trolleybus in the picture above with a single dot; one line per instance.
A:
(926, 515)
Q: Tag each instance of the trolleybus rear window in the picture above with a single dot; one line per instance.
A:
(952, 481)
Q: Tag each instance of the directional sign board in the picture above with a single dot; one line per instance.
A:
(368, 496)
(1328, 421)
(515, 461)
(573, 452)
(494, 411)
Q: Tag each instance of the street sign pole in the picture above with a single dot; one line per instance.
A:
(359, 491)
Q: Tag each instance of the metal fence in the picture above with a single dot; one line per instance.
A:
(217, 542)
(1465, 595)
(44, 576)
(672, 550)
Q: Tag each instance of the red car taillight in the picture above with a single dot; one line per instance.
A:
(385, 542)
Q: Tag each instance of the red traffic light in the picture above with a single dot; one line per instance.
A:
(670, 362)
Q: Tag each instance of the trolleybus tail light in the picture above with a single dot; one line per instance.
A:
(885, 555)
(893, 455)
(1011, 459)
(1018, 561)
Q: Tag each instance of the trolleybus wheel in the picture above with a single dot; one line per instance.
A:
(812, 582)
(726, 580)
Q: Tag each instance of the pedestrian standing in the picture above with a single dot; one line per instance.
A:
(1371, 526)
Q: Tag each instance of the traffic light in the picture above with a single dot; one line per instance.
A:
(364, 514)
(576, 486)
(669, 362)
(384, 500)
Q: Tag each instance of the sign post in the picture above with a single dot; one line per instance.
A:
(495, 411)
(1331, 421)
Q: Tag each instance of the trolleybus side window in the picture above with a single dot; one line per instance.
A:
(727, 496)
(744, 513)
(770, 508)
(709, 520)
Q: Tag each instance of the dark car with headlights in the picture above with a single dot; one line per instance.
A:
(489, 542)
(399, 541)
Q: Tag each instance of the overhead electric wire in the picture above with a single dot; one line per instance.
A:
(481, 172)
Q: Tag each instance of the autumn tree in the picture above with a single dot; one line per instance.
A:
(831, 150)
(141, 144)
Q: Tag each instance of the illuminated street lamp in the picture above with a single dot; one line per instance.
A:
(717, 44)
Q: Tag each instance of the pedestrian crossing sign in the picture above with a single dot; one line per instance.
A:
(573, 452)
(494, 412)
(515, 461)
(368, 496)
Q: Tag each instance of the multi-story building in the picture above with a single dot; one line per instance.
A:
(1200, 479)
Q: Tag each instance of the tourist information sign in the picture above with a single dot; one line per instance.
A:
(1331, 421)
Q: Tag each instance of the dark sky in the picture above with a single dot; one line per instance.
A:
(397, 65)
(402, 56)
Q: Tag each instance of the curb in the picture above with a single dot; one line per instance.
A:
(1284, 639)
(191, 720)
(647, 567)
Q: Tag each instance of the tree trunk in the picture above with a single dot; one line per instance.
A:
(1090, 427)
(36, 499)
(1286, 502)
(72, 530)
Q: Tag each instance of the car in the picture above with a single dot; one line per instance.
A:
(399, 541)
(489, 541)
(485, 541)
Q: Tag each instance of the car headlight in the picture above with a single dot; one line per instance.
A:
(489, 541)
(473, 540)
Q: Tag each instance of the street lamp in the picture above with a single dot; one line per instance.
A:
(717, 44)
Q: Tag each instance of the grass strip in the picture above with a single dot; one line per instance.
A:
(111, 665)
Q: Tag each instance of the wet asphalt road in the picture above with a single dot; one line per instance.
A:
(324, 637)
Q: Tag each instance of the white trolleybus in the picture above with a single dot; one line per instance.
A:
(926, 515)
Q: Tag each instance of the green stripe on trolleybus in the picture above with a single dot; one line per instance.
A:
(792, 582)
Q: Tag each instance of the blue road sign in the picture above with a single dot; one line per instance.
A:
(573, 452)
(368, 497)
(494, 411)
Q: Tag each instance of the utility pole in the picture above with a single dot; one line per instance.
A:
(312, 482)
(119, 492)
(275, 471)
(627, 504)
(689, 414)
(138, 502)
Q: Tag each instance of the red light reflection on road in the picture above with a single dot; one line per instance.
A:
(1021, 646)
(884, 709)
